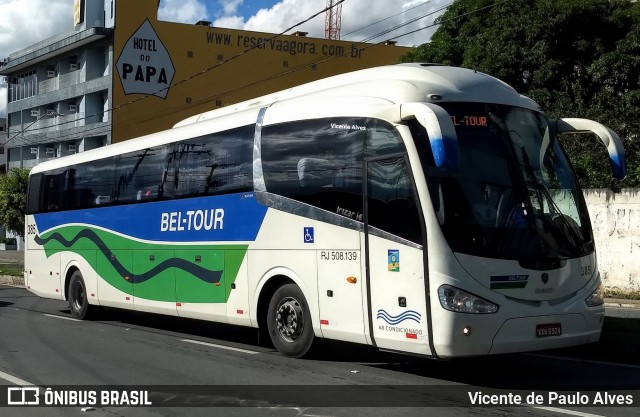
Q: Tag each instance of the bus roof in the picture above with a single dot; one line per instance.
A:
(394, 84)
(431, 83)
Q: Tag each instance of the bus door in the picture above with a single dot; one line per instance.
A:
(393, 239)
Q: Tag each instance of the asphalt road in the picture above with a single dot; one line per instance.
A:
(193, 362)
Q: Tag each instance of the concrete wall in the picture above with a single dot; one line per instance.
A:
(616, 227)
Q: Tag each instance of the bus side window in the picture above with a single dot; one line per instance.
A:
(34, 193)
(391, 199)
(219, 163)
(315, 172)
(55, 191)
(317, 162)
(90, 184)
(382, 139)
(390, 194)
(138, 175)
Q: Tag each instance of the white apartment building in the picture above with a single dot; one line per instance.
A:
(59, 90)
(99, 84)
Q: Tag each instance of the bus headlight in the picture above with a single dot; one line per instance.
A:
(454, 299)
(596, 298)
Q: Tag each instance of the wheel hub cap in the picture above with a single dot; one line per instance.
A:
(289, 319)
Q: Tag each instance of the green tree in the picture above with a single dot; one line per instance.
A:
(13, 200)
(576, 59)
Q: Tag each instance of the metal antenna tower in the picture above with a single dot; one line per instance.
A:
(332, 20)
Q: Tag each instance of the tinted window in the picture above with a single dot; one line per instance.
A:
(391, 200)
(54, 190)
(33, 196)
(318, 162)
(139, 175)
(382, 139)
(212, 164)
(514, 195)
(215, 164)
(90, 184)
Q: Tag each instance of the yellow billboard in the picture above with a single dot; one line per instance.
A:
(165, 72)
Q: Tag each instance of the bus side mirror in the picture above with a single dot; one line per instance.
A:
(607, 136)
(442, 134)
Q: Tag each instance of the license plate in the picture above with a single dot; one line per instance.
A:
(547, 330)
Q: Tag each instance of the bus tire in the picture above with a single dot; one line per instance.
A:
(78, 301)
(289, 322)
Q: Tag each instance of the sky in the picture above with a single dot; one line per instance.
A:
(25, 22)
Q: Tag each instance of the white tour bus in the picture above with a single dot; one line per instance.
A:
(417, 208)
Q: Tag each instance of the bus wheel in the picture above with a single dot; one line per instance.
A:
(78, 302)
(289, 322)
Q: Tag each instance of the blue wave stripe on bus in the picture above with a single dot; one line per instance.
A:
(232, 217)
(393, 320)
(197, 271)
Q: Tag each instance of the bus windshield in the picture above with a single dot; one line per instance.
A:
(515, 195)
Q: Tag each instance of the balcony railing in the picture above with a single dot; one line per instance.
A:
(25, 89)
(62, 81)
(60, 122)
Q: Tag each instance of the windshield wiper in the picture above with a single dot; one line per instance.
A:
(532, 181)
(543, 194)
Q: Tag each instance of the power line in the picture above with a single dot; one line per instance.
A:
(453, 18)
(293, 70)
(238, 55)
(415, 19)
(301, 67)
(389, 17)
(257, 46)
(217, 95)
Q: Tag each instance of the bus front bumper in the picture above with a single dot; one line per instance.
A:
(547, 332)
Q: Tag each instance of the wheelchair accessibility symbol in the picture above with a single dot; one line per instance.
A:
(308, 235)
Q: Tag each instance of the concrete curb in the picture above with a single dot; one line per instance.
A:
(622, 303)
(11, 280)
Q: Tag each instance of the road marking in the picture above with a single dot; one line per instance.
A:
(13, 379)
(61, 317)
(197, 342)
(570, 412)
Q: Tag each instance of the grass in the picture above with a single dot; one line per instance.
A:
(12, 270)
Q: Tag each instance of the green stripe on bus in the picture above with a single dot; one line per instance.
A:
(154, 271)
